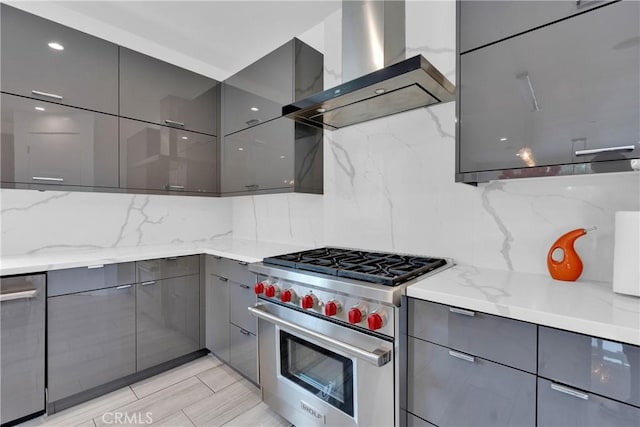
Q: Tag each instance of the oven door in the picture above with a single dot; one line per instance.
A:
(316, 372)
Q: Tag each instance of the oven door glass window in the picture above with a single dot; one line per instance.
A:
(327, 375)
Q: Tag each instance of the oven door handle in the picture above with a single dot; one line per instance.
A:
(377, 357)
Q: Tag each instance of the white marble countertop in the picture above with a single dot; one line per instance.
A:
(238, 249)
(586, 307)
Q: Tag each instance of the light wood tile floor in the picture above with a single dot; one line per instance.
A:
(204, 392)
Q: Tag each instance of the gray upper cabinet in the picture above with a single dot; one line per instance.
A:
(562, 99)
(484, 22)
(84, 73)
(162, 158)
(257, 93)
(280, 155)
(45, 143)
(158, 92)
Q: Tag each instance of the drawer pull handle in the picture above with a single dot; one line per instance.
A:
(47, 95)
(175, 187)
(150, 282)
(245, 286)
(223, 279)
(171, 258)
(123, 287)
(174, 123)
(18, 295)
(462, 356)
(463, 312)
(90, 267)
(243, 263)
(46, 178)
(569, 391)
(247, 333)
(605, 150)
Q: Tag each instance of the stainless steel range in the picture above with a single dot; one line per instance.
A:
(328, 333)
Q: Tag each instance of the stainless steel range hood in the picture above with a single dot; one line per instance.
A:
(403, 84)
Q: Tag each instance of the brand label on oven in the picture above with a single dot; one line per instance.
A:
(312, 412)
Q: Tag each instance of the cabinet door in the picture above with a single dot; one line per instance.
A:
(562, 406)
(542, 98)
(46, 143)
(91, 339)
(158, 92)
(167, 319)
(243, 352)
(22, 337)
(483, 22)
(156, 157)
(166, 268)
(83, 74)
(217, 316)
(241, 297)
(259, 158)
(448, 388)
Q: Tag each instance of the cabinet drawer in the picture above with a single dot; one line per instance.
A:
(242, 296)
(162, 93)
(82, 279)
(91, 339)
(162, 158)
(502, 340)
(563, 406)
(217, 316)
(84, 74)
(47, 143)
(233, 270)
(243, 352)
(604, 367)
(163, 268)
(447, 390)
(483, 22)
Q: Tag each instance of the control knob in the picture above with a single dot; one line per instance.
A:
(272, 291)
(308, 301)
(259, 288)
(357, 313)
(377, 320)
(332, 308)
(287, 295)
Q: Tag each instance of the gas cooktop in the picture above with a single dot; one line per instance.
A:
(378, 267)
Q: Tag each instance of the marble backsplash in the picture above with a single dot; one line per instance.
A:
(51, 221)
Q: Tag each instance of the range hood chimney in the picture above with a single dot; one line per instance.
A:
(379, 80)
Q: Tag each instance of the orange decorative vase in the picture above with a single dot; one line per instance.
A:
(563, 261)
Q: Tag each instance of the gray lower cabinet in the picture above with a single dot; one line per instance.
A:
(163, 158)
(217, 315)
(243, 352)
(483, 22)
(84, 73)
(167, 319)
(165, 268)
(242, 296)
(448, 388)
(563, 406)
(91, 339)
(51, 144)
(162, 93)
(280, 155)
(22, 346)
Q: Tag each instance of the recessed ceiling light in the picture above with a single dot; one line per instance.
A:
(240, 149)
(503, 139)
(56, 46)
(282, 157)
(380, 91)
(255, 109)
(40, 108)
(184, 137)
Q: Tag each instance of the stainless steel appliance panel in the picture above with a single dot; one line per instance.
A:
(559, 405)
(450, 388)
(502, 340)
(99, 276)
(597, 365)
(167, 319)
(22, 351)
(91, 339)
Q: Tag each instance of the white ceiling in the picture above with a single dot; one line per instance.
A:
(215, 38)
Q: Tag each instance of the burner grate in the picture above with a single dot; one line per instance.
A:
(377, 267)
